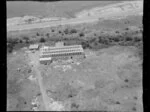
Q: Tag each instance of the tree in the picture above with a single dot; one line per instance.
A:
(37, 34)
(73, 31)
(42, 39)
(53, 30)
(66, 31)
(81, 34)
(26, 39)
(10, 47)
(47, 35)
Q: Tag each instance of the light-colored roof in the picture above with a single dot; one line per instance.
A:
(46, 58)
(33, 46)
(62, 50)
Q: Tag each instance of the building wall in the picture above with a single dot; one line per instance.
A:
(46, 61)
(64, 55)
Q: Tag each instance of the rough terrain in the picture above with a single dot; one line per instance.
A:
(107, 80)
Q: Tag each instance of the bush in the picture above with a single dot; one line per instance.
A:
(53, 30)
(42, 39)
(81, 34)
(27, 40)
(137, 39)
(128, 38)
(37, 34)
(116, 39)
(73, 31)
(85, 44)
(59, 31)
(47, 35)
(66, 31)
(126, 28)
(117, 31)
(10, 47)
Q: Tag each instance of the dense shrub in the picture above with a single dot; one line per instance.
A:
(10, 47)
(91, 39)
(47, 35)
(81, 34)
(59, 32)
(26, 39)
(66, 31)
(73, 31)
(53, 30)
(37, 34)
(42, 39)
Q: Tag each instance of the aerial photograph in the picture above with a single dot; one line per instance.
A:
(74, 55)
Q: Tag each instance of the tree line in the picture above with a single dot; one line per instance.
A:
(93, 40)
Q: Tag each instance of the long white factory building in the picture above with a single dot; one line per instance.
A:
(58, 52)
(62, 51)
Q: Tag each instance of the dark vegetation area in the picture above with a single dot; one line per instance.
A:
(92, 39)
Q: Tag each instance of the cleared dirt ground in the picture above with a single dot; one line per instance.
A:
(109, 80)
(20, 89)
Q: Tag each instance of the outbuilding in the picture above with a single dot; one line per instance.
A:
(34, 47)
(45, 61)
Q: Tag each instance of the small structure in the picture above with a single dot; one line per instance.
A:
(59, 44)
(34, 47)
(45, 61)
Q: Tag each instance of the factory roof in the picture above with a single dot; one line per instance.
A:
(62, 50)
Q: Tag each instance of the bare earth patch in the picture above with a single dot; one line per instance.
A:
(111, 80)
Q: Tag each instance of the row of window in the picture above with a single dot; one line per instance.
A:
(65, 54)
(65, 50)
(66, 47)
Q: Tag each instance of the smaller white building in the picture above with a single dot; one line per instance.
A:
(47, 60)
(34, 47)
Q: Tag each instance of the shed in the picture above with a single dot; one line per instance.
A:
(45, 60)
(34, 47)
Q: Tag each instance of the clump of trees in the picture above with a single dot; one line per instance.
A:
(42, 40)
(92, 39)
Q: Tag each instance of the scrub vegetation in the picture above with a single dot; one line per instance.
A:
(109, 79)
(92, 36)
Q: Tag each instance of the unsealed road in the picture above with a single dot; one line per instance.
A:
(34, 58)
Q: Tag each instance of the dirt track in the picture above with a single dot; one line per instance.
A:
(119, 10)
(35, 63)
